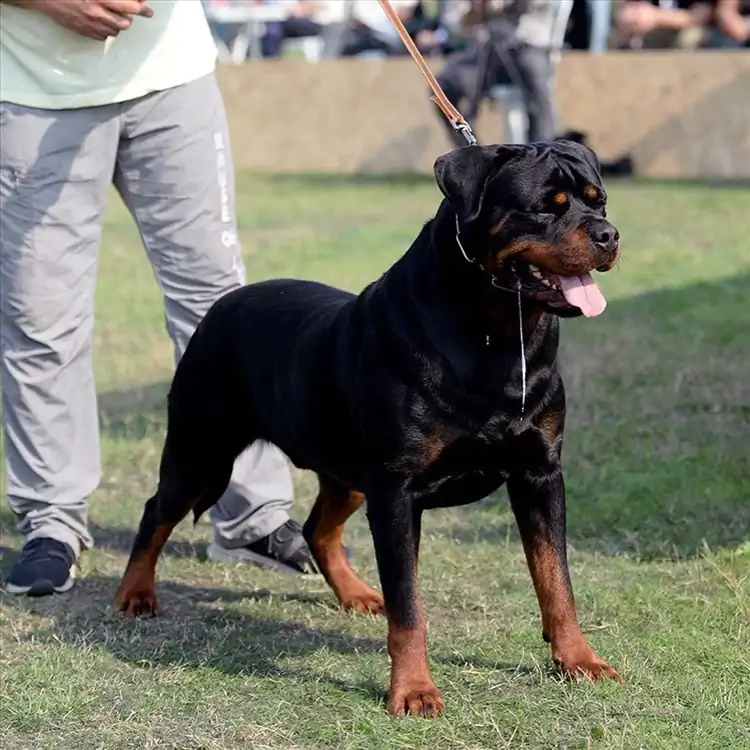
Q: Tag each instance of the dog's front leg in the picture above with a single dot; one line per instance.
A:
(395, 524)
(538, 501)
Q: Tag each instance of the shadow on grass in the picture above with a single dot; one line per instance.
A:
(120, 540)
(134, 414)
(202, 627)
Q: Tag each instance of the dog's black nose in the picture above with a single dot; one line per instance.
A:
(604, 235)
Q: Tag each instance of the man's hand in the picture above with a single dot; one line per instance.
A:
(730, 21)
(638, 18)
(95, 19)
(303, 10)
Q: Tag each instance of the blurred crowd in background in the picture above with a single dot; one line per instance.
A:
(319, 29)
(504, 51)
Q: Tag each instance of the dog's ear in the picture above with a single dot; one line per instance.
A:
(463, 174)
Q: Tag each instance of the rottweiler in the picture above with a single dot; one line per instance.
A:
(432, 388)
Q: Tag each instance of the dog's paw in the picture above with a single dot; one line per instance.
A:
(585, 663)
(363, 601)
(137, 602)
(423, 700)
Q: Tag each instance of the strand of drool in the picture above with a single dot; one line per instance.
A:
(523, 351)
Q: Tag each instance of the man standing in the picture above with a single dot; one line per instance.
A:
(96, 92)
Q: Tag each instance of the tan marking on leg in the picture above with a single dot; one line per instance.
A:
(412, 690)
(333, 507)
(559, 619)
(136, 594)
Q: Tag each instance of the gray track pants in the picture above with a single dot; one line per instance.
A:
(168, 156)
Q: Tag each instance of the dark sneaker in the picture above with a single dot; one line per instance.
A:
(44, 567)
(284, 550)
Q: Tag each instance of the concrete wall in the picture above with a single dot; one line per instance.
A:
(678, 114)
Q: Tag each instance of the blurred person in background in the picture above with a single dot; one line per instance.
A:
(299, 23)
(732, 20)
(523, 29)
(578, 35)
(661, 24)
(368, 30)
(95, 93)
(298, 20)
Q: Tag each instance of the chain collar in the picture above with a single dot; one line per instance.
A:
(497, 285)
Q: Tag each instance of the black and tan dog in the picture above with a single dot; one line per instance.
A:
(408, 396)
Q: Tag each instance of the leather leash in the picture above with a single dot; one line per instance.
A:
(454, 117)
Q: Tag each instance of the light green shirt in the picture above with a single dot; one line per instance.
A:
(46, 66)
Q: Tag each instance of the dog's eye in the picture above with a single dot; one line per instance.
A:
(594, 197)
(556, 203)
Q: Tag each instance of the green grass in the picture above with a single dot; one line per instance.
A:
(658, 469)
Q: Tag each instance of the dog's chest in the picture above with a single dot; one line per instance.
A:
(455, 468)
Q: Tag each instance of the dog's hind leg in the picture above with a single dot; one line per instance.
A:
(186, 482)
(394, 523)
(323, 532)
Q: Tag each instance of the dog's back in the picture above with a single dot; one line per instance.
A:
(271, 347)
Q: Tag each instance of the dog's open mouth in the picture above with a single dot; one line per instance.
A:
(578, 291)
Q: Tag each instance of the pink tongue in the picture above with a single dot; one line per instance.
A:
(583, 292)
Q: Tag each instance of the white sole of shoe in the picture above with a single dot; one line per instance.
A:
(43, 587)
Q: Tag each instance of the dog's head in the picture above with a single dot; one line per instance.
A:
(534, 218)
